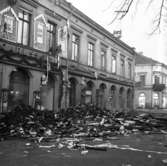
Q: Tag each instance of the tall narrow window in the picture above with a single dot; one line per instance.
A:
(122, 67)
(23, 27)
(113, 63)
(129, 70)
(51, 33)
(103, 60)
(90, 53)
(75, 47)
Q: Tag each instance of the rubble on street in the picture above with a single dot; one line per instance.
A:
(88, 122)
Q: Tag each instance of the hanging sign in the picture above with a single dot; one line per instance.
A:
(40, 33)
(9, 20)
(40, 28)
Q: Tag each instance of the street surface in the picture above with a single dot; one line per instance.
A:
(132, 150)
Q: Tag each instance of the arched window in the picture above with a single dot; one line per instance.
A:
(113, 96)
(101, 95)
(155, 99)
(72, 92)
(19, 88)
(87, 93)
(121, 98)
(142, 100)
(129, 98)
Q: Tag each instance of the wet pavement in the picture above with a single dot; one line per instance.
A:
(130, 150)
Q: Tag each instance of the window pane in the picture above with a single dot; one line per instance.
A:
(75, 47)
(20, 27)
(51, 35)
(23, 27)
(25, 34)
(26, 16)
(90, 54)
(76, 52)
(73, 52)
(20, 15)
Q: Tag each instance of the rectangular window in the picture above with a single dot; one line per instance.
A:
(90, 53)
(103, 60)
(23, 27)
(142, 80)
(129, 70)
(51, 34)
(122, 67)
(156, 80)
(113, 63)
(75, 47)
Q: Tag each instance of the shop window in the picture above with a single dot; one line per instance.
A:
(155, 99)
(19, 88)
(142, 100)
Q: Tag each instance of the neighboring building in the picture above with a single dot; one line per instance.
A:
(151, 83)
(93, 66)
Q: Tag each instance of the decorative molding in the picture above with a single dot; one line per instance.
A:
(31, 3)
(76, 29)
(7, 10)
(52, 14)
(103, 45)
(41, 16)
(91, 37)
(19, 58)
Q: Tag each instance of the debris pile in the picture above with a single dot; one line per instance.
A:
(76, 122)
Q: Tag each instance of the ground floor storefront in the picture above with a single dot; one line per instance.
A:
(150, 99)
(20, 84)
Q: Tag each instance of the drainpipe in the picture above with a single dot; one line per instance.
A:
(1, 84)
(151, 85)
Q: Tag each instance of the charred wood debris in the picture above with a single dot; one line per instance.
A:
(68, 127)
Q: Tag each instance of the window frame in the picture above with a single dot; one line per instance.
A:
(142, 83)
(74, 43)
(23, 20)
(91, 53)
(113, 59)
(129, 70)
(122, 71)
(103, 54)
(53, 33)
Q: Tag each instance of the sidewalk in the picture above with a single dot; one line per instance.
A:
(163, 111)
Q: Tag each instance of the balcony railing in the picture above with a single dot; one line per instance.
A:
(23, 55)
(158, 87)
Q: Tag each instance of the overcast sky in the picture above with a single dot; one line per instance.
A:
(135, 27)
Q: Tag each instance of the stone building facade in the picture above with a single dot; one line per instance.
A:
(151, 82)
(52, 52)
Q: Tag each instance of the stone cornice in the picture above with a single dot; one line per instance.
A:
(30, 2)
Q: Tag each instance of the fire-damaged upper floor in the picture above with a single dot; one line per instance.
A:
(44, 25)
